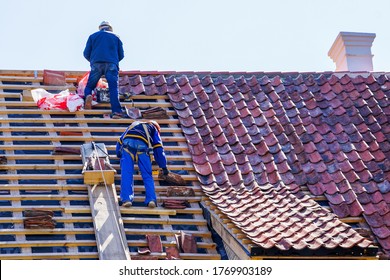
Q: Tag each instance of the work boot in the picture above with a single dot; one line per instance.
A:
(152, 204)
(88, 102)
(127, 203)
(118, 116)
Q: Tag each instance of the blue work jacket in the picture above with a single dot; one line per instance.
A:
(138, 132)
(104, 46)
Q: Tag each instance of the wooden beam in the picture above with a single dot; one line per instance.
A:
(51, 148)
(139, 104)
(95, 138)
(50, 256)
(77, 157)
(227, 236)
(79, 167)
(118, 129)
(78, 187)
(77, 119)
(70, 176)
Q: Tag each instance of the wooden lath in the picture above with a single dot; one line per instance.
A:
(35, 177)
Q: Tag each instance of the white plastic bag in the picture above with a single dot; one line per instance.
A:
(65, 100)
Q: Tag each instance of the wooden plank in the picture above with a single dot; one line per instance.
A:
(50, 256)
(77, 157)
(126, 220)
(227, 236)
(77, 119)
(23, 231)
(166, 232)
(94, 138)
(131, 210)
(187, 256)
(37, 73)
(70, 219)
(139, 104)
(34, 147)
(30, 87)
(69, 176)
(47, 197)
(91, 231)
(51, 197)
(108, 223)
(78, 187)
(77, 243)
(164, 221)
(79, 167)
(74, 129)
(47, 243)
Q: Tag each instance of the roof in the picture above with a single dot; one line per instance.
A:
(259, 141)
(293, 163)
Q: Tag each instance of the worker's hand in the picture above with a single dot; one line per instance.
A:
(165, 171)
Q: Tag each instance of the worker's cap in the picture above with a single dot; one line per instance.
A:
(156, 125)
(105, 24)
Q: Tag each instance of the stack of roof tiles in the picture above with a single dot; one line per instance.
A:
(257, 142)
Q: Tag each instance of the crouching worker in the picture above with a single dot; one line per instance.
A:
(134, 146)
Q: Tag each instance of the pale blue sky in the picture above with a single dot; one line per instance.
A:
(191, 35)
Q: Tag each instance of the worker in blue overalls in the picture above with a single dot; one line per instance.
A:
(134, 146)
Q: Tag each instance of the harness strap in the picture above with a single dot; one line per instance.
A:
(134, 154)
(148, 136)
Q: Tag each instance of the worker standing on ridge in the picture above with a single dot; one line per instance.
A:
(104, 50)
(134, 145)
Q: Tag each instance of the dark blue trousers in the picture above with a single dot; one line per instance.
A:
(135, 151)
(111, 72)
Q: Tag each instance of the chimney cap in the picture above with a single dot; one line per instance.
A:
(352, 38)
(351, 51)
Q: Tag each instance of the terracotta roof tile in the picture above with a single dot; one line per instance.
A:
(274, 135)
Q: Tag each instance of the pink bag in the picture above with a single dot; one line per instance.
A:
(82, 83)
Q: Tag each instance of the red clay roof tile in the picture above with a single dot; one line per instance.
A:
(325, 133)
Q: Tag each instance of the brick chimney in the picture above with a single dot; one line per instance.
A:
(351, 51)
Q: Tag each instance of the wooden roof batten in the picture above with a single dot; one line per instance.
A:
(36, 177)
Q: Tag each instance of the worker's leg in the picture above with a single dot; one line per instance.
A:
(145, 166)
(96, 73)
(127, 173)
(112, 76)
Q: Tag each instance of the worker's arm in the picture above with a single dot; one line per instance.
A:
(121, 53)
(118, 149)
(158, 150)
(88, 49)
(159, 156)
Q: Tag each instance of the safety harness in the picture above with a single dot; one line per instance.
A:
(137, 152)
